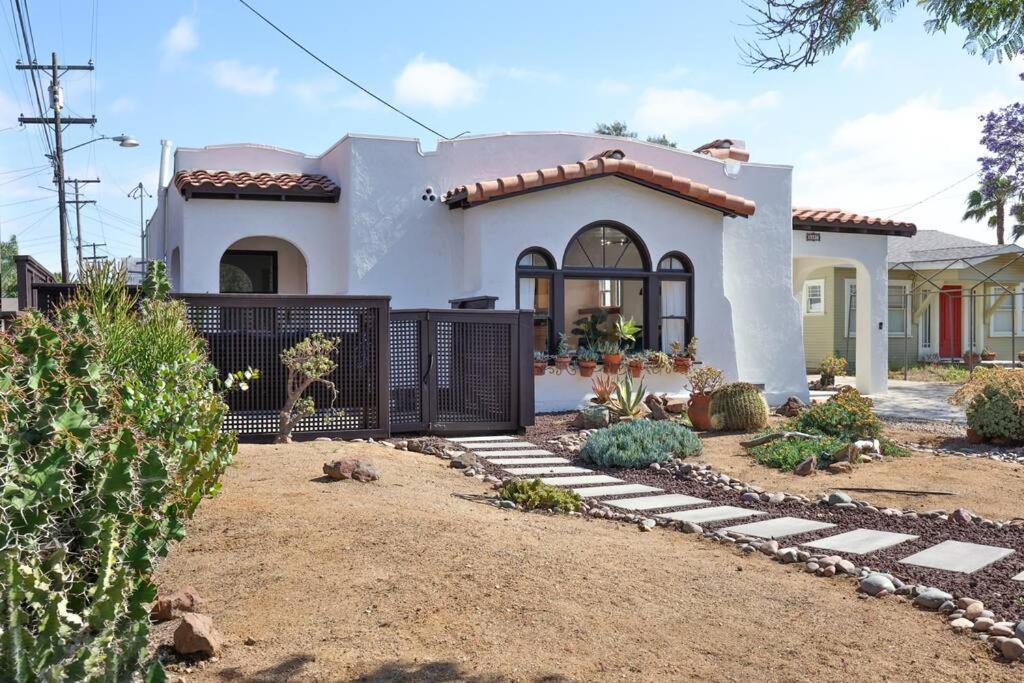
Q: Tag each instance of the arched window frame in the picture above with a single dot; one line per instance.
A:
(684, 274)
(547, 272)
(645, 257)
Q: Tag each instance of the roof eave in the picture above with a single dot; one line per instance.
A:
(854, 228)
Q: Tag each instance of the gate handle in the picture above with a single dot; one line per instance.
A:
(430, 365)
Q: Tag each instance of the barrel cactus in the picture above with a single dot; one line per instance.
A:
(738, 406)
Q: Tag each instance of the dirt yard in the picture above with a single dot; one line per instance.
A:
(990, 488)
(412, 579)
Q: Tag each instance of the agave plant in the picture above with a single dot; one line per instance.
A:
(627, 401)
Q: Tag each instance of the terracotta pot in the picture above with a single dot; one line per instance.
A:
(988, 356)
(539, 367)
(587, 367)
(562, 362)
(682, 364)
(697, 411)
(612, 362)
(636, 368)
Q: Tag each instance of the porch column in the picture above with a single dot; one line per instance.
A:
(872, 329)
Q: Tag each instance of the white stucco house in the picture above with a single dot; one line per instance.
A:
(703, 243)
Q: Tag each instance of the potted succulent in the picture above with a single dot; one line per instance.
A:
(587, 361)
(831, 365)
(562, 357)
(636, 362)
(988, 354)
(659, 360)
(703, 382)
(540, 363)
(682, 361)
(626, 331)
(611, 356)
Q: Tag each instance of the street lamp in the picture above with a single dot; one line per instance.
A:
(122, 140)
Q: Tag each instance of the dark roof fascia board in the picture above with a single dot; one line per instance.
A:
(812, 226)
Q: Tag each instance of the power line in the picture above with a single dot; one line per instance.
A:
(374, 96)
(933, 195)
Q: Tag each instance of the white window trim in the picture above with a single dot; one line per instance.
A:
(1018, 302)
(852, 332)
(806, 303)
(925, 351)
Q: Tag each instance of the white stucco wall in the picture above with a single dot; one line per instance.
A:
(382, 238)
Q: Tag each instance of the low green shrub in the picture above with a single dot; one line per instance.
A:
(994, 403)
(536, 495)
(110, 435)
(638, 443)
(786, 454)
(847, 416)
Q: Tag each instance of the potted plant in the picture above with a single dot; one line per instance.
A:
(636, 362)
(587, 361)
(540, 363)
(611, 356)
(988, 354)
(1020, 356)
(590, 330)
(683, 361)
(659, 361)
(703, 382)
(562, 358)
(831, 366)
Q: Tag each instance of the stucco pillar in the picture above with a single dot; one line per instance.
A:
(872, 329)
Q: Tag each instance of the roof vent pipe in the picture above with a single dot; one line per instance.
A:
(165, 163)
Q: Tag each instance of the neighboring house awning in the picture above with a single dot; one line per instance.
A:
(608, 163)
(303, 187)
(837, 220)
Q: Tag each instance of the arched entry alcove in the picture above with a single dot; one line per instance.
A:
(263, 265)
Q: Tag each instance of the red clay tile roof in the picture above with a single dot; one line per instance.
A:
(841, 221)
(243, 183)
(608, 163)
(724, 149)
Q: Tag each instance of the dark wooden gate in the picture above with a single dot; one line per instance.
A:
(460, 371)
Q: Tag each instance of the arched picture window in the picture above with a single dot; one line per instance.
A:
(534, 274)
(676, 284)
(605, 246)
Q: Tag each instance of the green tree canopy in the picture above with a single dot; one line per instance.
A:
(796, 33)
(8, 274)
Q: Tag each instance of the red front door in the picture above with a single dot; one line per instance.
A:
(950, 321)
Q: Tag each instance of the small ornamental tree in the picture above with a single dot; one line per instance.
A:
(307, 363)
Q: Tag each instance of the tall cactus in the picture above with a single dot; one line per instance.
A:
(738, 406)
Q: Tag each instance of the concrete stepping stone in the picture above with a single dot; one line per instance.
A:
(957, 556)
(860, 541)
(719, 513)
(620, 490)
(1019, 577)
(581, 480)
(528, 461)
(486, 445)
(550, 469)
(668, 500)
(779, 527)
(475, 439)
(511, 454)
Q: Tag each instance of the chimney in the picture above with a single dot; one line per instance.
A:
(165, 163)
(724, 149)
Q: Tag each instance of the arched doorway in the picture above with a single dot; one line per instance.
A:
(263, 265)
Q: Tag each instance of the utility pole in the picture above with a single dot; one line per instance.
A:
(78, 213)
(57, 103)
(139, 192)
(94, 257)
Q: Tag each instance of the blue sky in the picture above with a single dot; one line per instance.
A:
(887, 122)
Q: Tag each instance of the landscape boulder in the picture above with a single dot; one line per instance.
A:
(932, 598)
(791, 408)
(196, 634)
(675, 406)
(592, 417)
(173, 605)
(961, 516)
(840, 468)
(463, 461)
(876, 583)
(352, 468)
(808, 466)
(656, 404)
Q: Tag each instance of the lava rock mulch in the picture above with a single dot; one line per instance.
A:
(991, 584)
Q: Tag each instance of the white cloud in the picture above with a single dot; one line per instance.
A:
(244, 79)
(884, 161)
(435, 84)
(124, 105)
(675, 110)
(180, 39)
(610, 86)
(856, 57)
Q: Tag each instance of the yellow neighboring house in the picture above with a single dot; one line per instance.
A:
(938, 284)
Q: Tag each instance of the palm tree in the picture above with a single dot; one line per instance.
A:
(991, 206)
